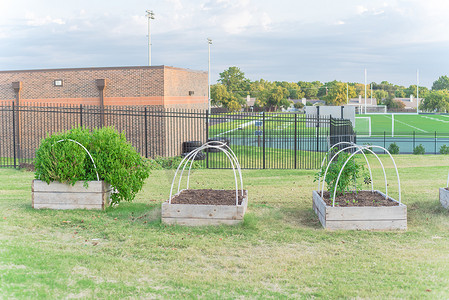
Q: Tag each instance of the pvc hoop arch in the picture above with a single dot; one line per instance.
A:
(359, 148)
(347, 143)
(397, 173)
(232, 159)
(190, 158)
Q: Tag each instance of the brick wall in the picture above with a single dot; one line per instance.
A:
(158, 85)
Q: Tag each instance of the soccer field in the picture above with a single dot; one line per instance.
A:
(377, 124)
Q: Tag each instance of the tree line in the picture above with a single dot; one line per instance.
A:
(232, 89)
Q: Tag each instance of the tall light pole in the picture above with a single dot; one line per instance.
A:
(209, 42)
(150, 16)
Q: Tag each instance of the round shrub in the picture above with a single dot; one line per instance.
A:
(393, 148)
(117, 162)
(419, 149)
(444, 149)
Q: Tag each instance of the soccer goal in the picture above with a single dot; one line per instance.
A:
(378, 109)
(363, 125)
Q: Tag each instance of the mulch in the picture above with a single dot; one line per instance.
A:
(361, 198)
(208, 197)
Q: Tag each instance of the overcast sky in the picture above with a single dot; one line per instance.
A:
(289, 40)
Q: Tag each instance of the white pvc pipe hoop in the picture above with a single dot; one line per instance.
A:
(91, 158)
(373, 146)
(359, 148)
(327, 156)
(190, 158)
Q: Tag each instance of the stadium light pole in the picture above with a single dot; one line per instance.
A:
(209, 42)
(150, 16)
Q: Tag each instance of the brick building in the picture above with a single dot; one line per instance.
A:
(159, 86)
(156, 95)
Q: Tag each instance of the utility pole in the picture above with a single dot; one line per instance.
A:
(209, 42)
(150, 16)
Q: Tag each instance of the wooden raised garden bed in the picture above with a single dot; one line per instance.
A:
(362, 210)
(58, 195)
(361, 217)
(204, 207)
(444, 197)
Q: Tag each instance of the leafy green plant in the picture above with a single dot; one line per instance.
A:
(351, 172)
(393, 148)
(444, 149)
(368, 146)
(117, 162)
(419, 149)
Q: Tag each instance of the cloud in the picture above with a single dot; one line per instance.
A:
(34, 20)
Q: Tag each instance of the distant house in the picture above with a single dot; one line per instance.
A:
(315, 102)
(410, 103)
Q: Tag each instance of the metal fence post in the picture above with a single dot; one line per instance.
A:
(14, 134)
(81, 115)
(295, 140)
(384, 143)
(413, 140)
(146, 131)
(263, 137)
(207, 137)
(435, 142)
(318, 128)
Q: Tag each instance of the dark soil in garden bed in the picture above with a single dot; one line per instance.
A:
(208, 197)
(362, 198)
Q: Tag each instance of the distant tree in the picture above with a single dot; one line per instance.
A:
(411, 90)
(338, 92)
(436, 100)
(442, 83)
(235, 81)
(294, 90)
(380, 95)
(393, 104)
(298, 105)
(276, 98)
(220, 96)
(399, 93)
(260, 89)
(310, 89)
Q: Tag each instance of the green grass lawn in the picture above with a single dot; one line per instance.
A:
(280, 251)
(276, 124)
(403, 123)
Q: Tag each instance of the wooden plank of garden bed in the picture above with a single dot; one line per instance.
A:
(203, 211)
(93, 186)
(320, 208)
(367, 224)
(200, 222)
(366, 213)
(67, 206)
(58, 195)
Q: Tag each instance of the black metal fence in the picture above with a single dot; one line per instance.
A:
(260, 140)
(406, 141)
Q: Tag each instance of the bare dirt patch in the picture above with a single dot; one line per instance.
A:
(362, 198)
(208, 197)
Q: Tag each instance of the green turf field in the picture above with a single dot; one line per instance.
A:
(403, 123)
